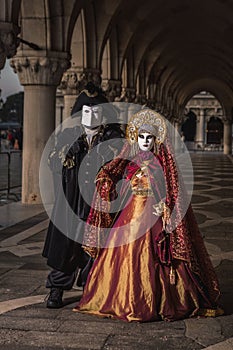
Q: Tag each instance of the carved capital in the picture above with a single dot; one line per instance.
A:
(73, 81)
(8, 42)
(112, 89)
(40, 70)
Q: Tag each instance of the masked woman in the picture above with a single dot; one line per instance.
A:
(153, 264)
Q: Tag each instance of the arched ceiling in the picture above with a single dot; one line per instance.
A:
(189, 41)
(184, 46)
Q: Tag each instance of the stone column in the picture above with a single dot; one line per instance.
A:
(200, 134)
(40, 77)
(59, 108)
(8, 41)
(227, 136)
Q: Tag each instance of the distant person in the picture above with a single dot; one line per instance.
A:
(10, 138)
(19, 138)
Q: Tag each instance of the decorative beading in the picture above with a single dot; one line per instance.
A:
(146, 116)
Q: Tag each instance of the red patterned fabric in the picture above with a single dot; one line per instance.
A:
(186, 242)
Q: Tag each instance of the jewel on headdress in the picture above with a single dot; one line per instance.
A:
(149, 117)
(132, 134)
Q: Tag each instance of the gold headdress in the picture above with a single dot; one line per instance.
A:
(143, 117)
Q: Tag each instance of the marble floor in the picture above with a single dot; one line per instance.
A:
(23, 271)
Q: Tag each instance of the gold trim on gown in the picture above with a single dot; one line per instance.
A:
(129, 281)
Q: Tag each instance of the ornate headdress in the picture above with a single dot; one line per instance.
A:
(146, 117)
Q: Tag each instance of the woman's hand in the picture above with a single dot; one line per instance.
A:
(166, 215)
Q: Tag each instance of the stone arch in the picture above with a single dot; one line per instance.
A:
(111, 79)
(79, 43)
(72, 12)
(216, 87)
(114, 54)
(154, 43)
(73, 79)
(91, 35)
(36, 15)
(205, 112)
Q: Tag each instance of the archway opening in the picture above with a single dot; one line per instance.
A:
(203, 125)
(188, 128)
(215, 131)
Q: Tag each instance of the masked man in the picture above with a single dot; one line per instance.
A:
(80, 162)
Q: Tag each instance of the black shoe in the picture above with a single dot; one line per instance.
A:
(55, 298)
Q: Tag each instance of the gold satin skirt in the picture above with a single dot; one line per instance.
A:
(129, 282)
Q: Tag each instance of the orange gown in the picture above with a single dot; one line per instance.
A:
(128, 280)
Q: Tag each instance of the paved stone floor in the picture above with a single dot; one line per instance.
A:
(25, 323)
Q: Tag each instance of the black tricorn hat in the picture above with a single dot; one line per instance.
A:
(91, 95)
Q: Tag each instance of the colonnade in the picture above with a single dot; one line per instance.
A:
(123, 54)
(201, 131)
(40, 77)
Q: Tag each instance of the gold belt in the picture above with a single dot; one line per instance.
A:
(148, 193)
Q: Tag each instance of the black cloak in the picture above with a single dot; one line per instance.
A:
(63, 249)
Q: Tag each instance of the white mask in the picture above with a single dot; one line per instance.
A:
(91, 116)
(145, 141)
